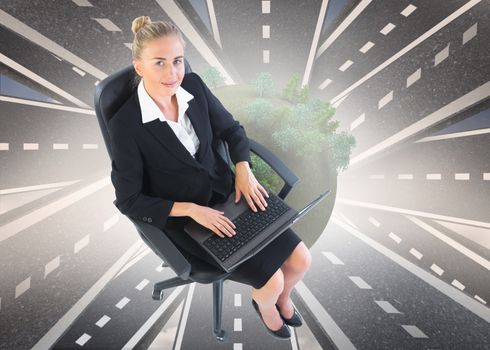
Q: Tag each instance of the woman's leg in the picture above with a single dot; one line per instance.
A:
(294, 268)
(266, 298)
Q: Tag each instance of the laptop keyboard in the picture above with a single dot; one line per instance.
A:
(248, 225)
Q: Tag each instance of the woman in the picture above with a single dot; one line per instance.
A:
(166, 171)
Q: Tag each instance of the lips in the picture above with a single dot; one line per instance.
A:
(171, 84)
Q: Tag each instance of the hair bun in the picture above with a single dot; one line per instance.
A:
(139, 23)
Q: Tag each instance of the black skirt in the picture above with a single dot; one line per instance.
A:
(257, 270)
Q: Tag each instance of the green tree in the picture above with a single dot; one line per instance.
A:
(212, 77)
(264, 85)
(293, 93)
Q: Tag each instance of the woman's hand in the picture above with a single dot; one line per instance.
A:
(247, 184)
(212, 219)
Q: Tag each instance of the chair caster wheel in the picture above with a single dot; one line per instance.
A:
(157, 294)
(221, 335)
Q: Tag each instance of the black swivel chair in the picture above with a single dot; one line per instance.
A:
(110, 95)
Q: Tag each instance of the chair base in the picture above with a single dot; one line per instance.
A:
(221, 335)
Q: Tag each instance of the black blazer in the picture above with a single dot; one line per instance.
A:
(151, 168)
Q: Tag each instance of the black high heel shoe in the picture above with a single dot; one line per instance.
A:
(281, 333)
(295, 321)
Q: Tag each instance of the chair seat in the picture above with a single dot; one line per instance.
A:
(203, 272)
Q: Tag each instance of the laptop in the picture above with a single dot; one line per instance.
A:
(254, 230)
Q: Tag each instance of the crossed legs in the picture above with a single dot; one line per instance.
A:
(278, 288)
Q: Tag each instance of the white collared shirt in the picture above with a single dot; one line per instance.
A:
(183, 128)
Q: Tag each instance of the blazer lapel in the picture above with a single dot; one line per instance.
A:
(166, 136)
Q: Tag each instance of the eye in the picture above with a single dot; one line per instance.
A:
(158, 63)
(178, 61)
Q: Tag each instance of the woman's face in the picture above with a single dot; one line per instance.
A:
(162, 65)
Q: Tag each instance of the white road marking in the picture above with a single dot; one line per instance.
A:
(480, 299)
(238, 300)
(470, 33)
(374, 221)
(333, 258)
(51, 266)
(37, 187)
(360, 282)
(437, 269)
(409, 47)
(79, 71)
(462, 176)
(314, 42)
(176, 15)
(237, 346)
(334, 332)
(103, 321)
(81, 244)
(60, 146)
(480, 93)
(414, 77)
(4, 146)
(433, 176)
(122, 303)
(266, 7)
(458, 284)
(346, 219)
(83, 339)
(394, 237)
(387, 29)
(416, 253)
(114, 219)
(452, 243)
(214, 22)
(346, 65)
(343, 26)
(405, 176)
(22, 287)
(385, 100)
(38, 79)
(486, 176)
(266, 32)
(325, 84)
(185, 316)
(408, 10)
(461, 298)
(455, 135)
(142, 284)
(265, 56)
(107, 24)
(37, 215)
(82, 3)
(358, 121)
(414, 331)
(26, 102)
(237, 324)
(366, 47)
(52, 336)
(136, 338)
(31, 146)
(90, 146)
(413, 212)
(387, 307)
(441, 55)
(479, 235)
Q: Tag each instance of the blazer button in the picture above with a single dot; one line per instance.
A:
(145, 218)
(150, 220)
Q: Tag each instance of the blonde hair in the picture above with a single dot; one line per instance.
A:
(145, 30)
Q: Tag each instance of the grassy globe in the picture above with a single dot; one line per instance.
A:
(303, 136)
